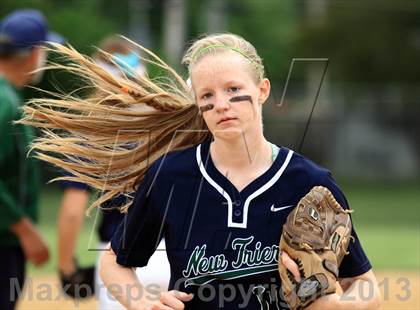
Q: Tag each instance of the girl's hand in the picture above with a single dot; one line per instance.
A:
(172, 300)
(326, 302)
(290, 265)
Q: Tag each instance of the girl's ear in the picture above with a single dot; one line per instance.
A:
(264, 87)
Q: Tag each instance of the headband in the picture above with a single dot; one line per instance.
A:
(200, 52)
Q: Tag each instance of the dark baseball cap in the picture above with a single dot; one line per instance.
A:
(23, 29)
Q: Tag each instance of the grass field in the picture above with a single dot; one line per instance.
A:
(387, 220)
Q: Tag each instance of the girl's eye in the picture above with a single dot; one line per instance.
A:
(206, 96)
(233, 89)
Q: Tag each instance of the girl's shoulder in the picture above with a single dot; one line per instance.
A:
(303, 172)
(301, 165)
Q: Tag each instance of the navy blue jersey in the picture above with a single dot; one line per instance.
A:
(111, 217)
(222, 244)
(72, 184)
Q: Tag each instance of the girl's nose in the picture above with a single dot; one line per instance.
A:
(221, 103)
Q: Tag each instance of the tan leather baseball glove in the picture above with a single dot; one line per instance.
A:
(316, 236)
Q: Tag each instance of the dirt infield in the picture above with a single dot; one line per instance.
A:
(399, 291)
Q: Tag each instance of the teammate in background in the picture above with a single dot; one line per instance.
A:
(207, 181)
(76, 196)
(22, 33)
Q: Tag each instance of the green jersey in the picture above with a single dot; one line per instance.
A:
(19, 175)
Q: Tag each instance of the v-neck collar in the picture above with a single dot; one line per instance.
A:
(240, 200)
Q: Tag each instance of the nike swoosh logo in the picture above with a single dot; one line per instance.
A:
(280, 208)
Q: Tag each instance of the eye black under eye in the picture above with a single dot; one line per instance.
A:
(206, 107)
(241, 98)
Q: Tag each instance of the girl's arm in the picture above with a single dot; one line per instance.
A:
(123, 284)
(361, 292)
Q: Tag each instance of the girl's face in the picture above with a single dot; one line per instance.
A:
(227, 94)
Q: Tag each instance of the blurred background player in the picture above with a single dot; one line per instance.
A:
(76, 199)
(22, 33)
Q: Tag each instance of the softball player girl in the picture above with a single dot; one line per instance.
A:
(206, 180)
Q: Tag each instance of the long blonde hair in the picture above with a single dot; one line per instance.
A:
(109, 138)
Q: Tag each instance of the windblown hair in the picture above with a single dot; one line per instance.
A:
(109, 138)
